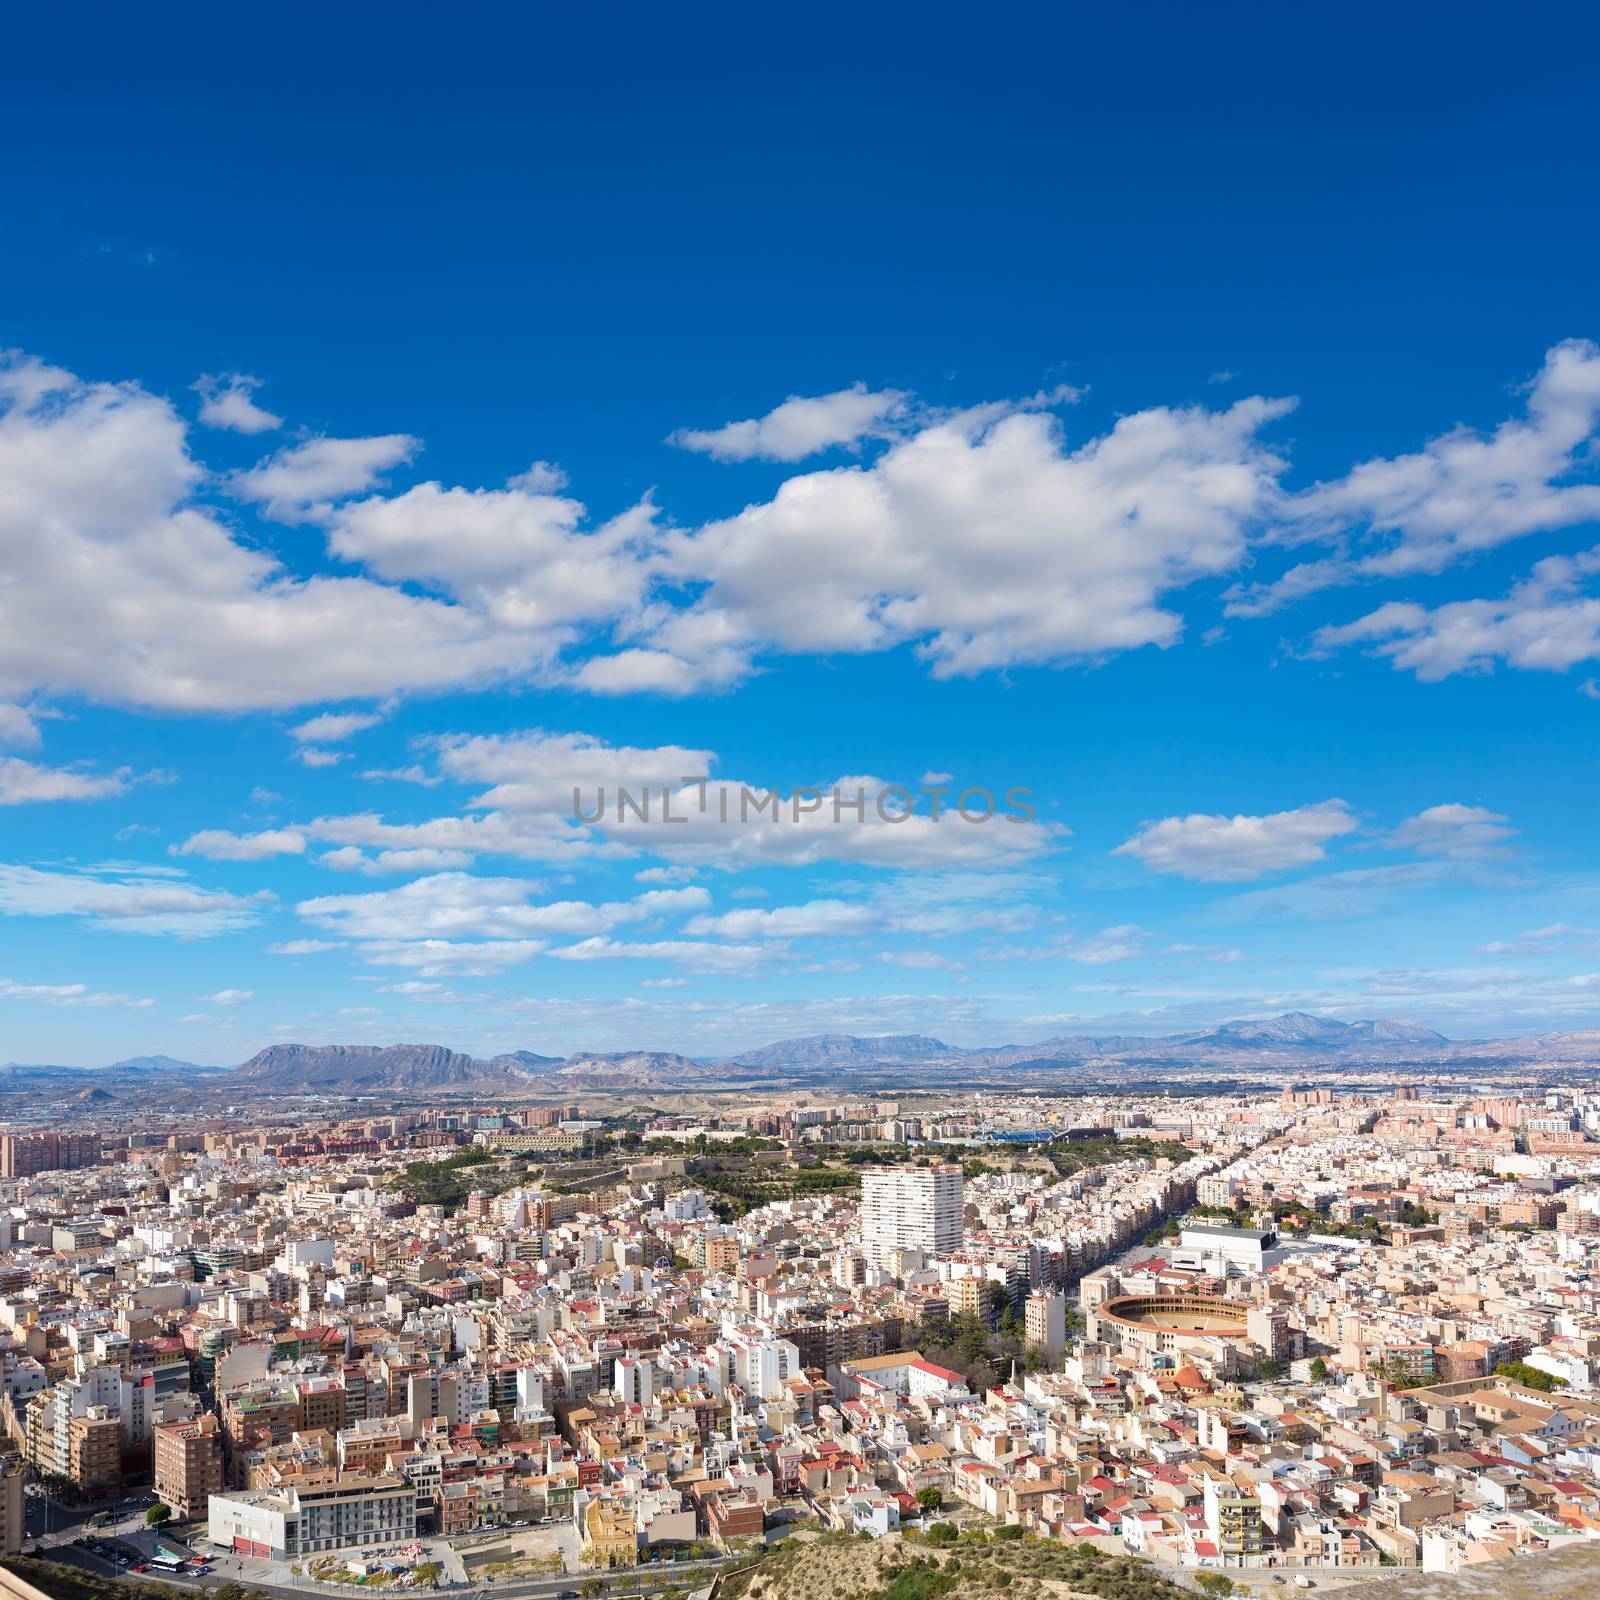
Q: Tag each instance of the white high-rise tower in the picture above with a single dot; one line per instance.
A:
(915, 1208)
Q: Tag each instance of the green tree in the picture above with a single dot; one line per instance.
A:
(157, 1514)
(931, 1498)
(1319, 1370)
(1530, 1377)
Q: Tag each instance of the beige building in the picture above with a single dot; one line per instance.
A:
(94, 1450)
(188, 1465)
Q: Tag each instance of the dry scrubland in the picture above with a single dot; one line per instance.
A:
(973, 1567)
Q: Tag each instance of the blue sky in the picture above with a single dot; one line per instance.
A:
(1189, 419)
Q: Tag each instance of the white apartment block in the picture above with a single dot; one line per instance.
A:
(910, 1208)
(329, 1514)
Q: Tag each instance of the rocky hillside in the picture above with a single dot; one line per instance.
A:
(974, 1567)
(983, 1567)
(362, 1068)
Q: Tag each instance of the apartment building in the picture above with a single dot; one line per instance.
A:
(188, 1465)
(331, 1513)
(910, 1208)
(24, 1154)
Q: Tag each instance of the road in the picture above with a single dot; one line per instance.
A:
(639, 1580)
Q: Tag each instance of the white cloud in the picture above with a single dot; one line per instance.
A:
(817, 918)
(100, 541)
(217, 844)
(304, 947)
(537, 780)
(18, 728)
(934, 906)
(698, 957)
(1463, 833)
(1462, 493)
(455, 905)
(310, 755)
(1467, 491)
(1218, 849)
(347, 858)
(413, 774)
(452, 957)
(227, 401)
(980, 538)
(128, 900)
(68, 994)
(303, 480)
(1546, 624)
(333, 726)
(919, 960)
(1109, 945)
(666, 875)
(25, 782)
(231, 997)
(516, 556)
(801, 426)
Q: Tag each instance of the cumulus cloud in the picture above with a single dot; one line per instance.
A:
(981, 538)
(1546, 624)
(303, 480)
(1219, 849)
(127, 900)
(228, 401)
(1468, 491)
(817, 918)
(415, 773)
(1463, 833)
(26, 782)
(18, 728)
(731, 959)
(68, 994)
(1462, 493)
(532, 783)
(347, 858)
(217, 844)
(456, 904)
(518, 556)
(801, 426)
(436, 958)
(231, 997)
(100, 539)
(333, 726)
(935, 906)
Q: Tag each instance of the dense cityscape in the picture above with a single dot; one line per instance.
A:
(1305, 1332)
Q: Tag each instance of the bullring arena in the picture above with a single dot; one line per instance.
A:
(1167, 1322)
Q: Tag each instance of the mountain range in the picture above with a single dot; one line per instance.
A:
(1293, 1040)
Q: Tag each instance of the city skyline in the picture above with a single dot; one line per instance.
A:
(1232, 497)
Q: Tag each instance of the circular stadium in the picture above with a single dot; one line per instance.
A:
(1169, 1321)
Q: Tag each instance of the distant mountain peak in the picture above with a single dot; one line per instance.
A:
(356, 1068)
(818, 1049)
